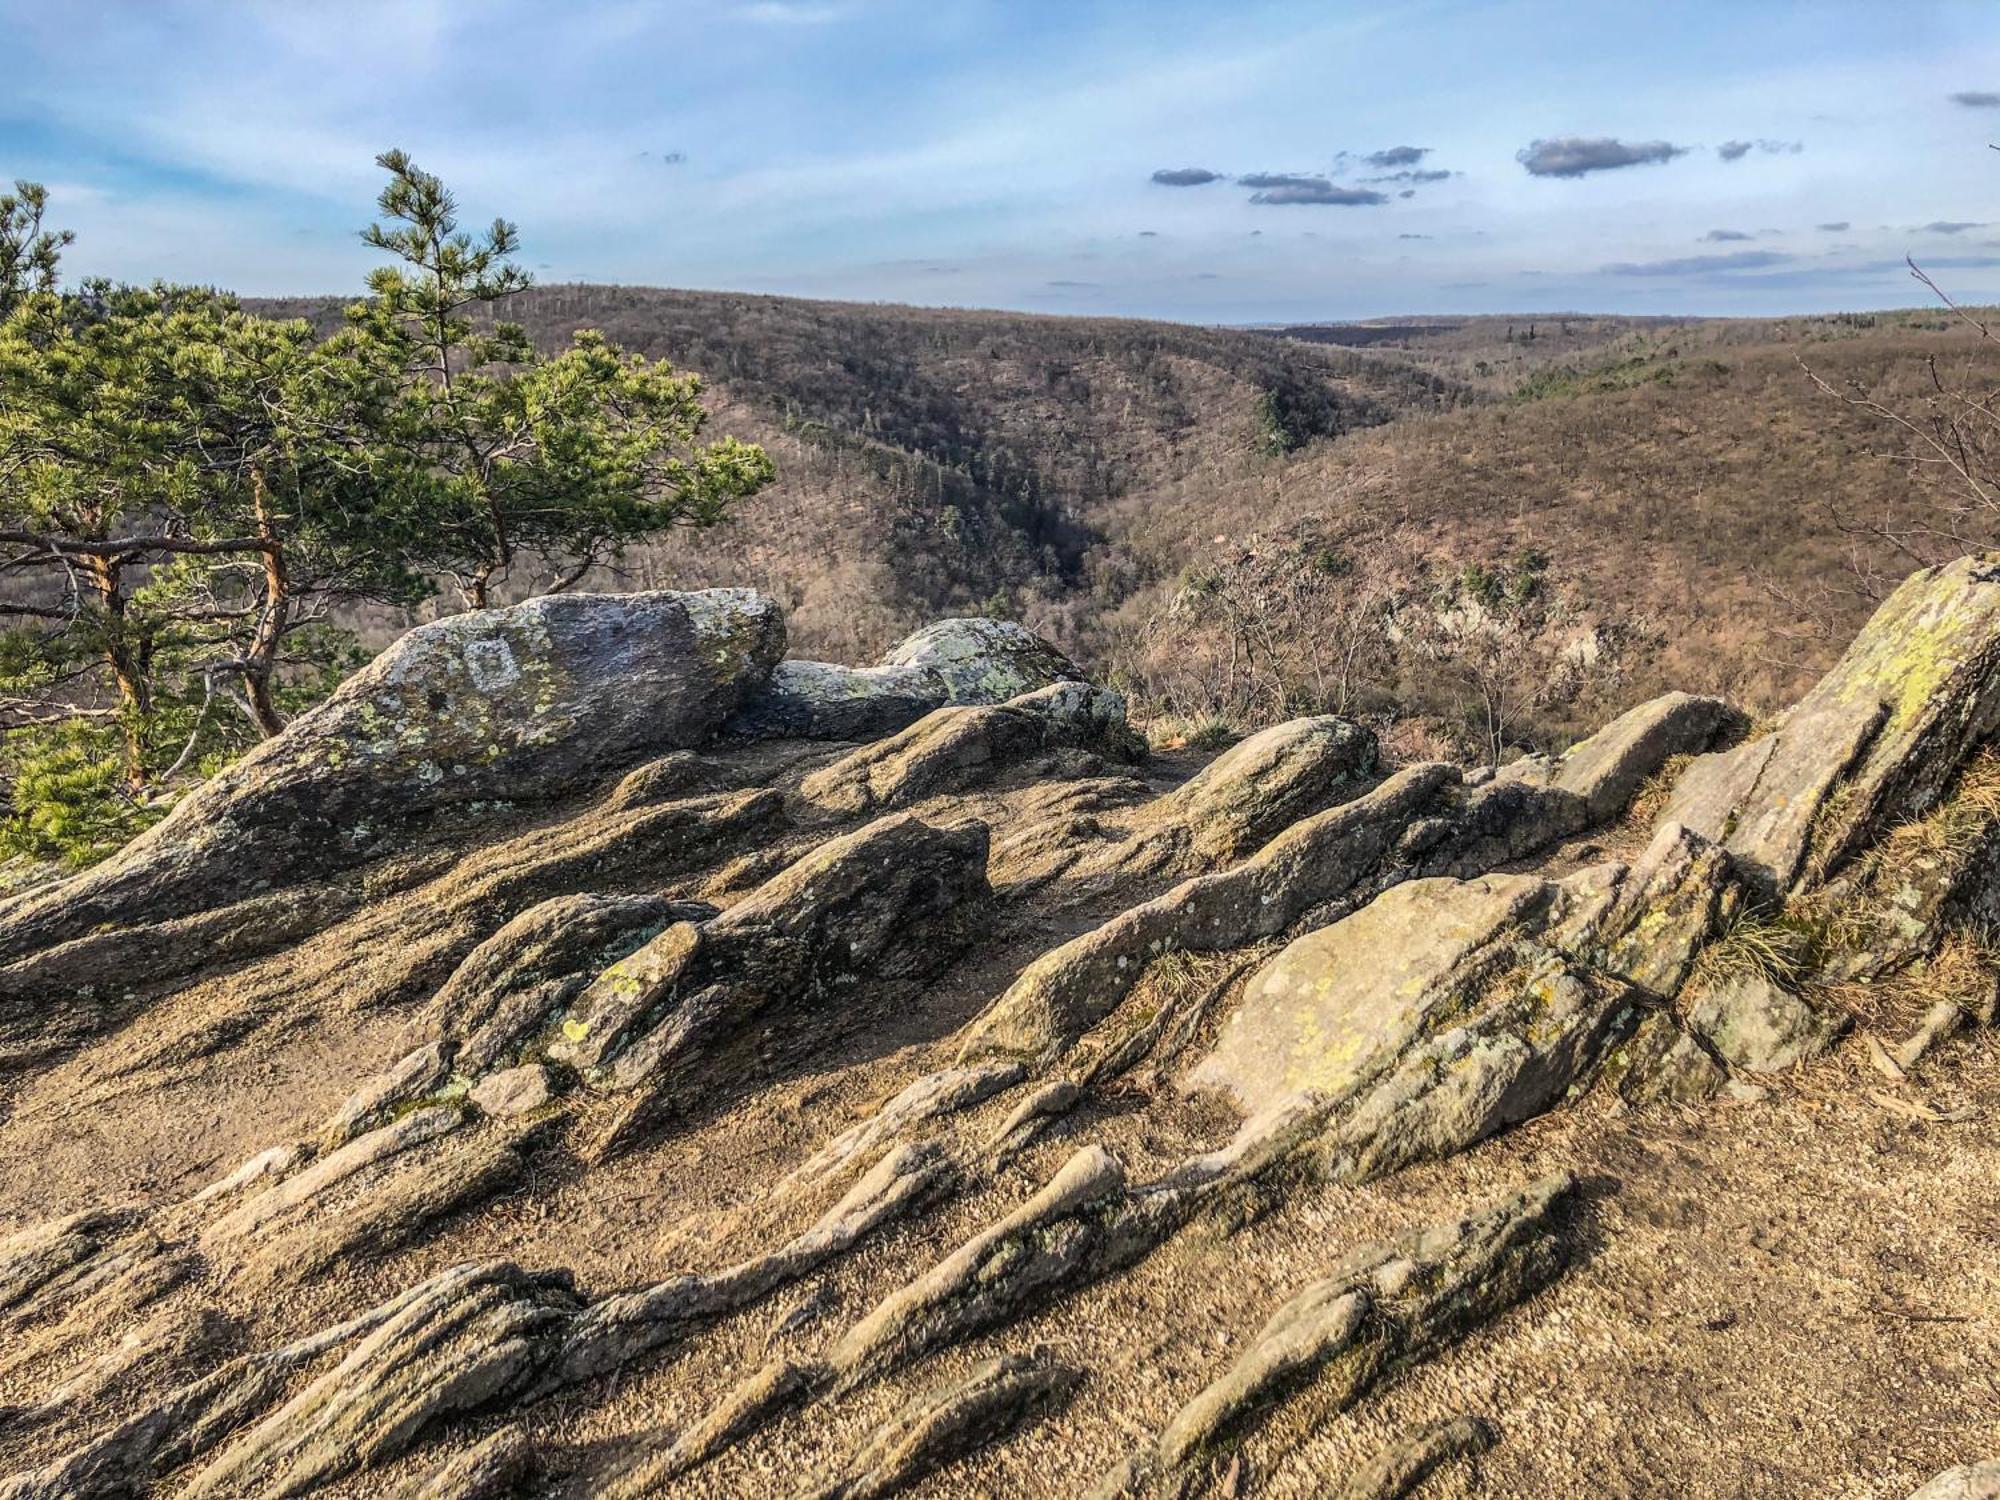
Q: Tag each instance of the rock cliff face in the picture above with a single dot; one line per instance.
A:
(591, 1055)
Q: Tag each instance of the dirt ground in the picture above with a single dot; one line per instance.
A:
(1793, 1296)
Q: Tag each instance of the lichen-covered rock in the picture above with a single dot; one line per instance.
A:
(953, 748)
(1444, 1010)
(1756, 1023)
(1661, 1064)
(1332, 1009)
(1537, 800)
(526, 702)
(895, 897)
(970, 661)
(1878, 739)
(1264, 784)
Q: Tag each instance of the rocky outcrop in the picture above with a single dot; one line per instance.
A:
(953, 661)
(502, 705)
(952, 749)
(940, 1086)
(945, 1423)
(893, 898)
(1446, 1010)
(1382, 1309)
(1879, 739)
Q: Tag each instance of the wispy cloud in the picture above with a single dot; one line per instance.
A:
(1185, 177)
(1700, 265)
(1977, 99)
(1574, 155)
(1953, 226)
(1723, 236)
(1737, 150)
(1834, 226)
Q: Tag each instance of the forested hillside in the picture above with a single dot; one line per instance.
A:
(936, 462)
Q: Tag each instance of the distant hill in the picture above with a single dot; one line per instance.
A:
(1077, 473)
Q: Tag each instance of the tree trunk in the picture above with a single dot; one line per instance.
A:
(126, 661)
(262, 655)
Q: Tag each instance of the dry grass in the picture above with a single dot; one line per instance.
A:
(1956, 829)
(1753, 946)
(1656, 791)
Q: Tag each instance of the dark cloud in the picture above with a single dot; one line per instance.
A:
(1953, 226)
(1700, 265)
(1149, 234)
(1206, 276)
(1275, 191)
(1397, 156)
(1977, 99)
(1574, 155)
(1737, 150)
(1834, 226)
(1721, 236)
(1277, 180)
(1185, 177)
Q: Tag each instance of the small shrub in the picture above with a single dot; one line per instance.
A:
(70, 804)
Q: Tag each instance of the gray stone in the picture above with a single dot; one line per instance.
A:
(957, 747)
(1755, 1023)
(970, 661)
(514, 1091)
(1264, 784)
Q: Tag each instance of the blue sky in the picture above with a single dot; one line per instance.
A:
(1778, 157)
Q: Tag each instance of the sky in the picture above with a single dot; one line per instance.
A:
(1253, 161)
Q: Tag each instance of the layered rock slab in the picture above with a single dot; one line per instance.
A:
(1878, 739)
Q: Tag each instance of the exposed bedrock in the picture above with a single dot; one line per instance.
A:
(949, 661)
(944, 1423)
(1536, 801)
(1069, 989)
(1877, 740)
(953, 749)
(898, 897)
(523, 703)
(1422, 820)
(476, 1336)
(1382, 1309)
(1444, 1010)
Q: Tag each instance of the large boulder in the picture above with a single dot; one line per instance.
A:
(1880, 738)
(953, 661)
(527, 702)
